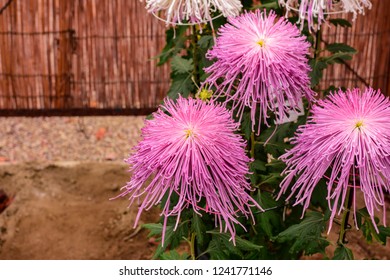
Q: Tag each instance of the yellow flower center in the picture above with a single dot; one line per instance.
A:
(261, 43)
(205, 94)
(359, 124)
(188, 133)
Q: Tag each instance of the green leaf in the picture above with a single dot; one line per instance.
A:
(307, 235)
(258, 165)
(317, 67)
(340, 22)
(199, 228)
(155, 229)
(337, 58)
(340, 48)
(175, 38)
(181, 84)
(384, 233)
(270, 219)
(242, 244)
(181, 65)
(206, 41)
(367, 227)
(275, 138)
(343, 253)
(319, 195)
(277, 164)
(216, 250)
(272, 179)
(172, 238)
(246, 125)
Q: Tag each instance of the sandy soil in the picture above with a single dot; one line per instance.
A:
(63, 211)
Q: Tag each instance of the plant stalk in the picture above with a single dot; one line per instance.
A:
(192, 246)
(252, 152)
(317, 47)
(346, 213)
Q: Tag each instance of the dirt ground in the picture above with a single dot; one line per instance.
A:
(62, 211)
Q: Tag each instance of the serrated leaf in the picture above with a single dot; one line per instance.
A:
(258, 165)
(384, 233)
(319, 195)
(313, 223)
(272, 179)
(306, 235)
(246, 125)
(181, 84)
(199, 228)
(181, 65)
(242, 244)
(317, 67)
(269, 219)
(216, 251)
(276, 164)
(384, 230)
(367, 227)
(340, 48)
(172, 238)
(155, 229)
(337, 58)
(274, 137)
(175, 42)
(206, 41)
(341, 22)
(343, 253)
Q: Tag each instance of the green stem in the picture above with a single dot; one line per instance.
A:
(346, 213)
(317, 48)
(192, 245)
(253, 142)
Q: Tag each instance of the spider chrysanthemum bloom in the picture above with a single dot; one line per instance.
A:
(261, 63)
(192, 11)
(191, 150)
(347, 135)
(310, 10)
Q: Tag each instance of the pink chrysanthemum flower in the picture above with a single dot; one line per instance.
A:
(260, 63)
(192, 11)
(191, 150)
(348, 135)
(311, 9)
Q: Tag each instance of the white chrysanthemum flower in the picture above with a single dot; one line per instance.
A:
(192, 11)
(311, 9)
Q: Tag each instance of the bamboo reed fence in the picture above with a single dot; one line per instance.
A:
(79, 54)
(370, 35)
(96, 56)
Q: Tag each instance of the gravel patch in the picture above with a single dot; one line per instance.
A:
(24, 139)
